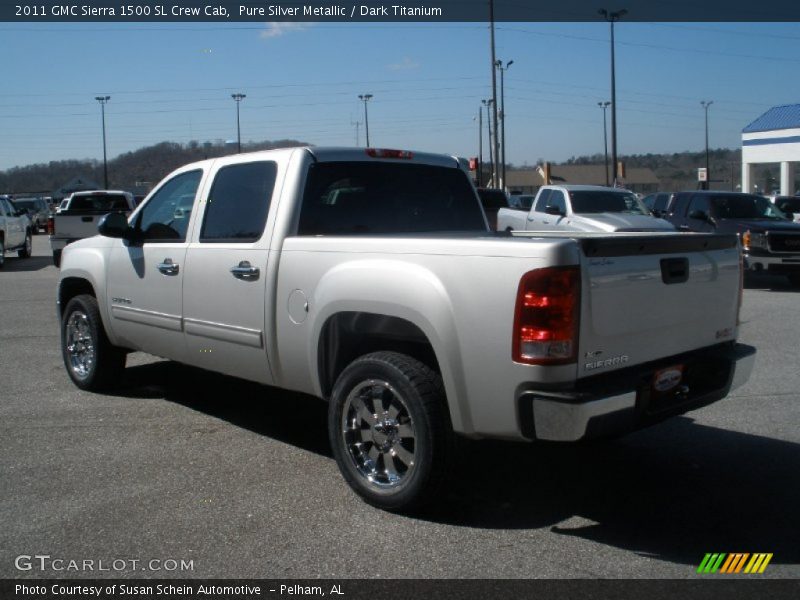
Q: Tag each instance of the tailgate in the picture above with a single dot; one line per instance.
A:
(78, 225)
(649, 297)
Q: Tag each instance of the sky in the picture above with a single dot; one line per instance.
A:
(173, 82)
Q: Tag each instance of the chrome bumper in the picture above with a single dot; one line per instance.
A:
(569, 417)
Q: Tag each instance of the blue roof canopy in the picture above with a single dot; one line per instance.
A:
(778, 117)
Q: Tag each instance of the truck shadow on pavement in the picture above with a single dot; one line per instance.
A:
(32, 263)
(767, 282)
(674, 491)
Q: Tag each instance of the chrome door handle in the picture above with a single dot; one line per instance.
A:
(244, 270)
(168, 267)
(683, 227)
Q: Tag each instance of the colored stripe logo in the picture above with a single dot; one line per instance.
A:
(737, 562)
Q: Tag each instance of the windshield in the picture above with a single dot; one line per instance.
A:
(788, 204)
(744, 206)
(601, 201)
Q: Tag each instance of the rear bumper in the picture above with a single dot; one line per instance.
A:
(60, 243)
(623, 402)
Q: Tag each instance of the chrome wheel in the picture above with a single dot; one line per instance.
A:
(80, 344)
(378, 433)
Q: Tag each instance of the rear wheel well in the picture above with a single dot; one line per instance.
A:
(71, 287)
(348, 335)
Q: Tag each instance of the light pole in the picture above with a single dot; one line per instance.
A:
(705, 104)
(102, 100)
(604, 106)
(238, 98)
(503, 69)
(365, 98)
(613, 17)
(492, 169)
(493, 143)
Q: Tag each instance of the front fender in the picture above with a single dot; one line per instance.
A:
(87, 264)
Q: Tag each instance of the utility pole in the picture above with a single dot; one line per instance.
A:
(238, 98)
(492, 169)
(707, 183)
(503, 115)
(102, 100)
(495, 147)
(613, 17)
(604, 106)
(479, 175)
(365, 98)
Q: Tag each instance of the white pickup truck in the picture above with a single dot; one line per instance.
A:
(582, 208)
(369, 278)
(78, 214)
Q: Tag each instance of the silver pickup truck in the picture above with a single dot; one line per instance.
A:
(369, 278)
(582, 208)
(79, 213)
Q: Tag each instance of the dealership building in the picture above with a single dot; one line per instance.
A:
(774, 137)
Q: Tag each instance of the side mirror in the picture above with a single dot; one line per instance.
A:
(553, 210)
(114, 225)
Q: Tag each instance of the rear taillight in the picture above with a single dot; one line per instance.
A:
(51, 225)
(388, 153)
(546, 316)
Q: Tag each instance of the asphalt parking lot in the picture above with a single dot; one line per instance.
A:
(238, 479)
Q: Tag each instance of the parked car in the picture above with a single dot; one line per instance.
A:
(38, 210)
(368, 278)
(582, 208)
(79, 213)
(492, 200)
(770, 241)
(15, 231)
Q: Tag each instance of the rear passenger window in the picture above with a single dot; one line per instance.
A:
(238, 203)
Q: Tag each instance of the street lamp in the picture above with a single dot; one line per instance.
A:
(238, 98)
(102, 100)
(503, 69)
(365, 98)
(705, 104)
(604, 106)
(613, 17)
(492, 168)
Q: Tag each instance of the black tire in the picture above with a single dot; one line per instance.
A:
(400, 461)
(57, 258)
(92, 362)
(27, 247)
(2, 253)
(794, 279)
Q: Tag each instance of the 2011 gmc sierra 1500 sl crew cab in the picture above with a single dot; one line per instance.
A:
(369, 278)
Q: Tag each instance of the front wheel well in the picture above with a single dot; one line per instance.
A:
(71, 287)
(348, 335)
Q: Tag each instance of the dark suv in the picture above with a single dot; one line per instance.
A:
(770, 241)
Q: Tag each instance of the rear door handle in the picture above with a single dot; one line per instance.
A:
(244, 270)
(167, 267)
(684, 227)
